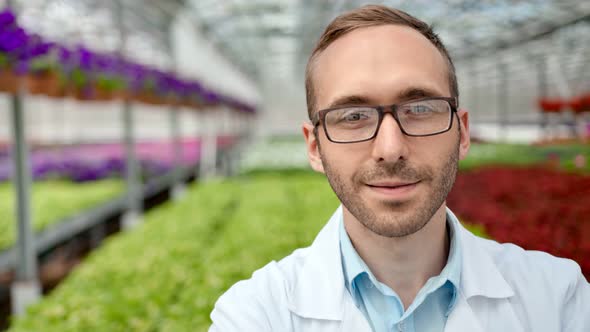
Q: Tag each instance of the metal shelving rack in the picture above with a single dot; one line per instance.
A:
(23, 256)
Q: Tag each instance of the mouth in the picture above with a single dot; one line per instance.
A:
(393, 189)
(391, 184)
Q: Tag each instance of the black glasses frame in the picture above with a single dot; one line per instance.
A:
(382, 110)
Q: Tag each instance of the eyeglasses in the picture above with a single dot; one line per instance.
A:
(421, 117)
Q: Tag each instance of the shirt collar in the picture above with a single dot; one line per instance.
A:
(352, 264)
(317, 292)
(354, 268)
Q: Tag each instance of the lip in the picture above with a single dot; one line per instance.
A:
(393, 189)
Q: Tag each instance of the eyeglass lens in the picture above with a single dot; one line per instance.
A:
(425, 117)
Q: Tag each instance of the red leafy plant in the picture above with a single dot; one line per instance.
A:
(535, 208)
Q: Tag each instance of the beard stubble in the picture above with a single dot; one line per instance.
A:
(398, 218)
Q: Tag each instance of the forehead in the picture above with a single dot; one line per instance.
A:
(377, 63)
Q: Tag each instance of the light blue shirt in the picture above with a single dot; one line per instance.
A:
(382, 306)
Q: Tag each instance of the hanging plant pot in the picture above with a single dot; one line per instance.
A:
(173, 100)
(108, 87)
(85, 93)
(45, 82)
(162, 100)
(184, 102)
(146, 98)
(157, 100)
(577, 105)
(549, 105)
(585, 102)
(9, 81)
(190, 103)
(124, 95)
(79, 85)
(69, 90)
(580, 104)
(101, 93)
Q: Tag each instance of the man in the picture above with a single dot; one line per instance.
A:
(387, 132)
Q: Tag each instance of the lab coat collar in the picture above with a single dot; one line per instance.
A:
(319, 292)
(479, 273)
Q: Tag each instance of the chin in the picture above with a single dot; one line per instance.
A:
(395, 218)
(397, 230)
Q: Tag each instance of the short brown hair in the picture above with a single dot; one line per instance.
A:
(369, 16)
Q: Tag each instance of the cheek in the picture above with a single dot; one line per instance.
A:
(343, 159)
(435, 153)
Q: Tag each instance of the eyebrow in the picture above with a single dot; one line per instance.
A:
(405, 95)
(415, 93)
(349, 101)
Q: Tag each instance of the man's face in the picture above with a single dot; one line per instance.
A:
(392, 184)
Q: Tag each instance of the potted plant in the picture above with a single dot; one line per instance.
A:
(140, 82)
(108, 86)
(43, 75)
(80, 72)
(11, 39)
(9, 81)
(550, 105)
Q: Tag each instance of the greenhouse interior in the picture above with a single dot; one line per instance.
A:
(135, 132)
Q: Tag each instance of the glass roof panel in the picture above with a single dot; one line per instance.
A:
(95, 23)
(271, 39)
(482, 30)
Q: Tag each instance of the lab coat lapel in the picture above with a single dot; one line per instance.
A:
(353, 319)
(479, 274)
(462, 318)
(318, 291)
(483, 301)
(483, 314)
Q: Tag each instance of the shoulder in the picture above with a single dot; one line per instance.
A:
(532, 268)
(260, 302)
(541, 282)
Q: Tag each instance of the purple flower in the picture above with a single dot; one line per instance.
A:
(13, 41)
(64, 55)
(21, 48)
(22, 67)
(85, 59)
(7, 18)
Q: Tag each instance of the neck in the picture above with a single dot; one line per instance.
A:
(406, 263)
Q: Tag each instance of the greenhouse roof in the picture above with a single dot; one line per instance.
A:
(99, 24)
(270, 40)
(282, 33)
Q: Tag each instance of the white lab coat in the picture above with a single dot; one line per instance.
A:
(503, 288)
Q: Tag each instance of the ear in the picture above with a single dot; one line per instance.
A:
(465, 140)
(313, 149)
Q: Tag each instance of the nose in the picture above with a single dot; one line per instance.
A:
(390, 144)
